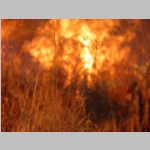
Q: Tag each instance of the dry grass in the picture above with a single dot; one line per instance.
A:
(42, 105)
(59, 100)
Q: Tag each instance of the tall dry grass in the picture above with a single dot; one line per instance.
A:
(40, 102)
(35, 99)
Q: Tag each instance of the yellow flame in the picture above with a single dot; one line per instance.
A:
(86, 55)
(43, 48)
(65, 31)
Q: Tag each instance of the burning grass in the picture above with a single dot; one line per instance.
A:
(78, 91)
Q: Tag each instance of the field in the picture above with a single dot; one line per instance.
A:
(75, 76)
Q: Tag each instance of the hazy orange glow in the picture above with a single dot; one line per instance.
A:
(98, 46)
(45, 54)
(65, 31)
(75, 75)
(43, 50)
(8, 27)
(86, 55)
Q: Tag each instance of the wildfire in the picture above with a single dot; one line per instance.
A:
(86, 55)
(43, 48)
(45, 45)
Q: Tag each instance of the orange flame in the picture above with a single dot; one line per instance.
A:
(91, 36)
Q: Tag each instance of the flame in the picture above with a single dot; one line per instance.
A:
(65, 24)
(87, 58)
(84, 37)
(86, 55)
(43, 48)
(90, 36)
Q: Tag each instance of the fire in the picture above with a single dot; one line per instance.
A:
(87, 58)
(76, 47)
(84, 37)
(86, 55)
(43, 48)
(65, 24)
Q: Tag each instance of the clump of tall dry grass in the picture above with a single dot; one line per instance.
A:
(35, 99)
(43, 102)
